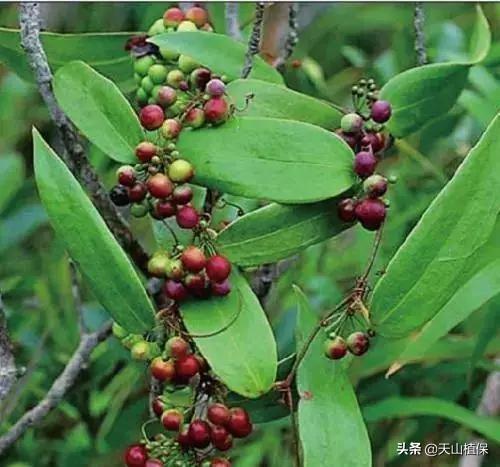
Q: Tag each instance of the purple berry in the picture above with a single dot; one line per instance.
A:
(371, 213)
(381, 111)
(364, 164)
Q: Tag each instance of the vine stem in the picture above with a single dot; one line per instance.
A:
(418, 25)
(254, 40)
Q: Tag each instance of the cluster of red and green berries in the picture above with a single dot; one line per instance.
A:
(336, 347)
(362, 130)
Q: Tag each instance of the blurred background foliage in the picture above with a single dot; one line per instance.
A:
(339, 43)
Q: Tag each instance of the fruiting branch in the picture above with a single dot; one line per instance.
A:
(74, 155)
(418, 25)
(7, 364)
(231, 13)
(254, 41)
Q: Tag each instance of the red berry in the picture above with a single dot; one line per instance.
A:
(239, 423)
(164, 209)
(216, 110)
(173, 17)
(182, 194)
(358, 343)
(218, 268)
(166, 96)
(172, 419)
(177, 347)
(151, 117)
(371, 213)
(381, 111)
(183, 438)
(195, 118)
(154, 463)
(220, 462)
(220, 289)
(375, 186)
(187, 217)
(350, 139)
(137, 192)
(126, 175)
(136, 455)
(162, 370)
(197, 15)
(145, 151)
(221, 438)
(375, 140)
(215, 88)
(199, 433)
(335, 348)
(200, 77)
(193, 259)
(345, 210)
(365, 163)
(171, 128)
(175, 290)
(196, 284)
(218, 414)
(186, 367)
(158, 406)
(160, 186)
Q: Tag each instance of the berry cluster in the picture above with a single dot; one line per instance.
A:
(362, 130)
(356, 343)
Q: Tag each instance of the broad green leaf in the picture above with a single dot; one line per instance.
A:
(280, 160)
(422, 94)
(446, 247)
(271, 100)
(244, 355)
(106, 268)
(330, 422)
(98, 108)
(218, 52)
(396, 407)
(11, 177)
(278, 231)
(103, 51)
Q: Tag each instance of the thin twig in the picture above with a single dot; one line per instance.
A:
(254, 41)
(418, 25)
(8, 370)
(292, 36)
(77, 299)
(373, 255)
(74, 155)
(231, 15)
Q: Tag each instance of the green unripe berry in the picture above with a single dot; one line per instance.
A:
(141, 65)
(174, 78)
(151, 100)
(140, 351)
(139, 210)
(169, 54)
(157, 73)
(137, 78)
(187, 26)
(174, 269)
(131, 340)
(147, 84)
(118, 331)
(158, 264)
(141, 96)
(187, 64)
(157, 28)
(180, 171)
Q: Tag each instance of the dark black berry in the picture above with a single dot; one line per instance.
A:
(119, 195)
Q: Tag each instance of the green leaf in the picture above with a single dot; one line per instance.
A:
(330, 422)
(98, 108)
(104, 52)
(395, 407)
(106, 268)
(446, 247)
(11, 177)
(271, 100)
(218, 52)
(280, 160)
(244, 355)
(278, 231)
(422, 94)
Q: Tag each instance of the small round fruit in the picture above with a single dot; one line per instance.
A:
(371, 213)
(137, 192)
(156, 28)
(174, 270)
(166, 96)
(183, 438)
(195, 118)
(196, 284)
(145, 151)
(364, 163)
(358, 343)
(381, 111)
(158, 406)
(162, 370)
(177, 347)
(187, 64)
(118, 331)
(220, 289)
(200, 77)
(375, 186)
(218, 268)
(169, 54)
(218, 414)
(199, 433)
(157, 264)
(154, 463)
(175, 290)
(375, 140)
(141, 65)
(335, 348)
(173, 17)
(172, 420)
(197, 15)
(140, 351)
(119, 195)
(345, 210)
(182, 194)
(157, 73)
(175, 77)
(141, 97)
(147, 84)
(215, 88)
(160, 186)
(350, 139)
(151, 117)
(136, 455)
(186, 367)
(139, 210)
(126, 175)
(216, 110)
(187, 217)
(221, 438)
(220, 462)
(187, 26)
(239, 424)
(351, 123)
(171, 128)
(164, 209)
(193, 259)
(180, 171)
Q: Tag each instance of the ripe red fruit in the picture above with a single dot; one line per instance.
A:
(221, 438)
(151, 117)
(216, 110)
(158, 406)
(187, 217)
(172, 419)
(358, 343)
(186, 367)
(166, 96)
(199, 433)
(164, 209)
(175, 290)
(160, 186)
(220, 289)
(200, 77)
(137, 192)
(162, 370)
(182, 194)
(381, 111)
(126, 175)
(177, 347)
(220, 462)
(218, 268)
(154, 463)
(239, 423)
(218, 414)
(145, 151)
(375, 140)
(197, 15)
(183, 439)
(136, 455)
(365, 163)
(345, 210)
(215, 87)
(371, 213)
(335, 348)
(375, 186)
(173, 17)
(193, 259)
(195, 118)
